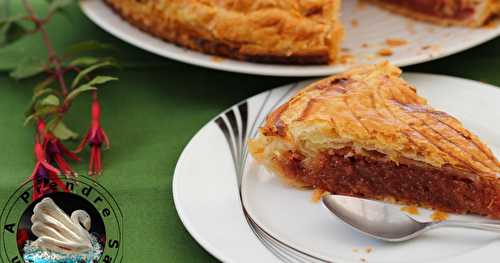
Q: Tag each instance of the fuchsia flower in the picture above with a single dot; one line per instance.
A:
(43, 174)
(95, 138)
(55, 150)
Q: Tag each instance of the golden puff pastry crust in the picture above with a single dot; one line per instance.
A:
(367, 133)
(275, 31)
(372, 108)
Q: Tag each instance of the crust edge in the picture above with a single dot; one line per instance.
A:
(189, 40)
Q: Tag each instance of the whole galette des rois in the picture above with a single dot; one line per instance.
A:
(278, 31)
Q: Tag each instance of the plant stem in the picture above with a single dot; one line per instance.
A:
(48, 44)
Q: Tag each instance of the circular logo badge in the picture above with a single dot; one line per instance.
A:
(81, 225)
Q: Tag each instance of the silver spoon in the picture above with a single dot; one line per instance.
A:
(388, 223)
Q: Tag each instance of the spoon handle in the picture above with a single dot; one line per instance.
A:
(485, 225)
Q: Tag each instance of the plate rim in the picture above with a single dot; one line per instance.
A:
(180, 210)
(189, 226)
(252, 68)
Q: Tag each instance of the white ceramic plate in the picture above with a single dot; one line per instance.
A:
(241, 213)
(373, 26)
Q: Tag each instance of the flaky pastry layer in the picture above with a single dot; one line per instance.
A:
(371, 109)
(278, 31)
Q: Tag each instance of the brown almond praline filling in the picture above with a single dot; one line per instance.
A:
(412, 183)
(454, 9)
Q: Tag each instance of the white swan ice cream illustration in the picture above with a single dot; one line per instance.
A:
(59, 232)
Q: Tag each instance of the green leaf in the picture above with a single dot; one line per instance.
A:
(85, 46)
(88, 86)
(30, 110)
(29, 119)
(42, 111)
(84, 61)
(41, 87)
(50, 100)
(86, 71)
(11, 31)
(40, 90)
(74, 93)
(4, 8)
(57, 5)
(39, 93)
(12, 18)
(28, 67)
(61, 131)
(100, 80)
(46, 105)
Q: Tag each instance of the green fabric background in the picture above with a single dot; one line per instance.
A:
(150, 115)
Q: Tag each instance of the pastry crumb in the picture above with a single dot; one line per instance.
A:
(395, 42)
(493, 23)
(317, 194)
(385, 52)
(439, 216)
(354, 23)
(390, 199)
(367, 250)
(412, 210)
(365, 45)
(216, 59)
(434, 48)
(371, 57)
(346, 58)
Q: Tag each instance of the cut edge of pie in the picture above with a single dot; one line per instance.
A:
(367, 133)
(448, 13)
(288, 32)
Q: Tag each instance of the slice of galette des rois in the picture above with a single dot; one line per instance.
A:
(367, 133)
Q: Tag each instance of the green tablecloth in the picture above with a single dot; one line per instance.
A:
(150, 115)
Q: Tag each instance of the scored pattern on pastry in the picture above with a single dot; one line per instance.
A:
(367, 133)
(369, 106)
(284, 31)
(279, 31)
